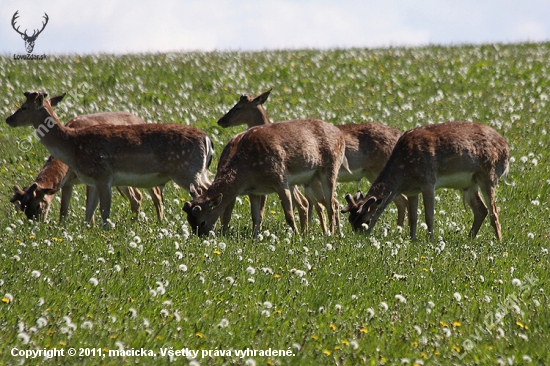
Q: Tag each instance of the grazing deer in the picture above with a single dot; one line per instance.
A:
(368, 146)
(143, 155)
(461, 155)
(35, 200)
(271, 158)
(29, 40)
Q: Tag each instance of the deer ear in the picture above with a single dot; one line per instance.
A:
(216, 200)
(18, 194)
(260, 99)
(55, 100)
(365, 205)
(29, 193)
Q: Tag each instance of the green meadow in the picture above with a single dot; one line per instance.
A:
(283, 299)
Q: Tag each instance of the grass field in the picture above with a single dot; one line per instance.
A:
(344, 300)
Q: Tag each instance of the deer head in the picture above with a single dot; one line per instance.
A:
(29, 40)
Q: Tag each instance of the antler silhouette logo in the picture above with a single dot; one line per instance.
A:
(29, 40)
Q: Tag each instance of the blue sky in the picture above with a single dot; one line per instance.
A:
(124, 26)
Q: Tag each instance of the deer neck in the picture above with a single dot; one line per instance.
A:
(260, 117)
(54, 136)
(387, 185)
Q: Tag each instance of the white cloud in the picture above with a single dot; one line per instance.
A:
(123, 26)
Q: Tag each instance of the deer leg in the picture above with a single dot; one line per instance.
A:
(66, 194)
(226, 216)
(105, 196)
(134, 196)
(156, 196)
(331, 204)
(413, 214)
(401, 203)
(92, 200)
(428, 195)
(314, 193)
(256, 211)
(286, 201)
(488, 191)
(472, 197)
(302, 206)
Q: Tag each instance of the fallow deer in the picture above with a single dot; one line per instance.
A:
(143, 155)
(368, 146)
(462, 155)
(35, 200)
(271, 158)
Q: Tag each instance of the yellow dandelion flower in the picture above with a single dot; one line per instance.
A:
(113, 336)
(5, 300)
(326, 352)
(456, 324)
(443, 324)
(456, 348)
(383, 359)
(272, 212)
(217, 252)
(278, 311)
(424, 355)
(414, 344)
(333, 327)
(62, 343)
(183, 199)
(520, 324)
(363, 330)
(199, 334)
(314, 337)
(276, 275)
(345, 342)
(337, 348)
(159, 338)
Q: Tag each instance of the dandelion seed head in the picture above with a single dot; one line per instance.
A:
(23, 337)
(457, 296)
(41, 322)
(87, 325)
(94, 281)
(224, 323)
(401, 298)
(516, 282)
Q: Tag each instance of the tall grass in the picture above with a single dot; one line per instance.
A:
(344, 300)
